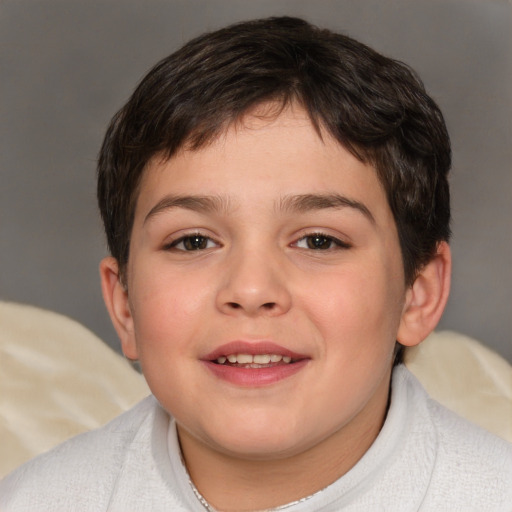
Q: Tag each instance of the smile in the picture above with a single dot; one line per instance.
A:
(254, 364)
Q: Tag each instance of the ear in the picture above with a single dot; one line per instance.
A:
(115, 296)
(426, 299)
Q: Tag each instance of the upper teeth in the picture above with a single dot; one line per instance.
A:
(258, 359)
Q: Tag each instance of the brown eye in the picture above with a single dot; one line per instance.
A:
(193, 243)
(319, 242)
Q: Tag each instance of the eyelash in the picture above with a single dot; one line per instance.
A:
(190, 237)
(199, 240)
(331, 240)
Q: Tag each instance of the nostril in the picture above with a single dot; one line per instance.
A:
(266, 305)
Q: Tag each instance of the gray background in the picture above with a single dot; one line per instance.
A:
(66, 66)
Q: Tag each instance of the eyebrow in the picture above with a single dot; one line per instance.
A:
(307, 202)
(292, 204)
(202, 204)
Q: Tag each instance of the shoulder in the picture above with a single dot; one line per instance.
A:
(88, 462)
(472, 467)
(471, 462)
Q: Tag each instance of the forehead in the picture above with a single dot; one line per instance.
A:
(270, 149)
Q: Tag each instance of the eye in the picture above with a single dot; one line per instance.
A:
(194, 242)
(320, 242)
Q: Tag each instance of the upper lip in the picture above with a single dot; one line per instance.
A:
(253, 348)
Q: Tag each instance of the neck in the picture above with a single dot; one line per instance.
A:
(230, 484)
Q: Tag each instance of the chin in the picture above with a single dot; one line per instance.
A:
(257, 450)
(255, 439)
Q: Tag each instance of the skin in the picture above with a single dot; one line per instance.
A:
(257, 278)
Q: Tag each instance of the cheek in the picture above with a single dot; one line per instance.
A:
(169, 318)
(168, 309)
(357, 309)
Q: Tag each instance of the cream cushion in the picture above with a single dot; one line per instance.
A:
(57, 379)
(467, 377)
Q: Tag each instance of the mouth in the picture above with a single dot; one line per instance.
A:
(254, 364)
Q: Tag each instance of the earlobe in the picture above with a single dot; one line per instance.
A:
(426, 298)
(116, 300)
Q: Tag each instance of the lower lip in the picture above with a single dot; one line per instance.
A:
(255, 377)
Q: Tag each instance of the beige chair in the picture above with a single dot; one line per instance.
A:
(57, 379)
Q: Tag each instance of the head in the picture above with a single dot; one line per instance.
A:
(273, 190)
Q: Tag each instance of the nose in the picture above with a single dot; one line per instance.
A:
(254, 284)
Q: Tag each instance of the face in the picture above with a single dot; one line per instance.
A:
(265, 289)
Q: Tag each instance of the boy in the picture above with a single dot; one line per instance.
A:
(276, 204)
